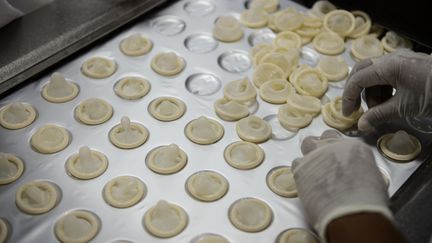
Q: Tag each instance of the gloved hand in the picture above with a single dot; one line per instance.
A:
(338, 177)
(410, 73)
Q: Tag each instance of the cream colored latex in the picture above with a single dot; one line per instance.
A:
(87, 164)
(253, 129)
(276, 91)
(334, 68)
(167, 108)
(37, 197)
(250, 215)
(328, 43)
(363, 24)
(271, 23)
(136, 45)
(128, 135)
(307, 33)
(265, 72)
(4, 230)
(300, 68)
(281, 181)
(260, 52)
(260, 47)
(132, 88)
(17, 115)
(287, 40)
(306, 40)
(204, 131)
(286, 61)
(254, 18)
(165, 220)
(366, 47)
(124, 191)
(93, 111)
(167, 159)
(312, 21)
(230, 110)
(227, 29)
(297, 235)
(77, 226)
(376, 30)
(268, 5)
(244, 155)
(311, 82)
(50, 139)
(305, 104)
(211, 238)
(310, 28)
(293, 76)
(392, 41)
(168, 63)
(340, 22)
(400, 146)
(59, 90)
(240, 90)
(99, 67)
(333, 117)
(293, 53)
(207, 186)
(11, 168)
(321, 8)
(287, 19)
(292, 119)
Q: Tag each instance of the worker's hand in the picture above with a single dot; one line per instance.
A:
(408, 72)
(338, 177)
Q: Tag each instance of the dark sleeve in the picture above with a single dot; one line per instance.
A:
(404, 17)
(363, 227)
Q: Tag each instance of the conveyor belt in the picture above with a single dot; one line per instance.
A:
(33, 43)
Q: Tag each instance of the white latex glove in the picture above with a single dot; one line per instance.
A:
(338, 177)
(8, 13)
(408, 72)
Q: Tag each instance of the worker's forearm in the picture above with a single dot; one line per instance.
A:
(363, 227)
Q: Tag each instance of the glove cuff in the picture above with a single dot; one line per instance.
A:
(322, 223)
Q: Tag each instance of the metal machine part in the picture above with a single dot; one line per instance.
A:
(32, 43)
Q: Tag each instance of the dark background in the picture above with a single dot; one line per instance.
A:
(410, 18)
